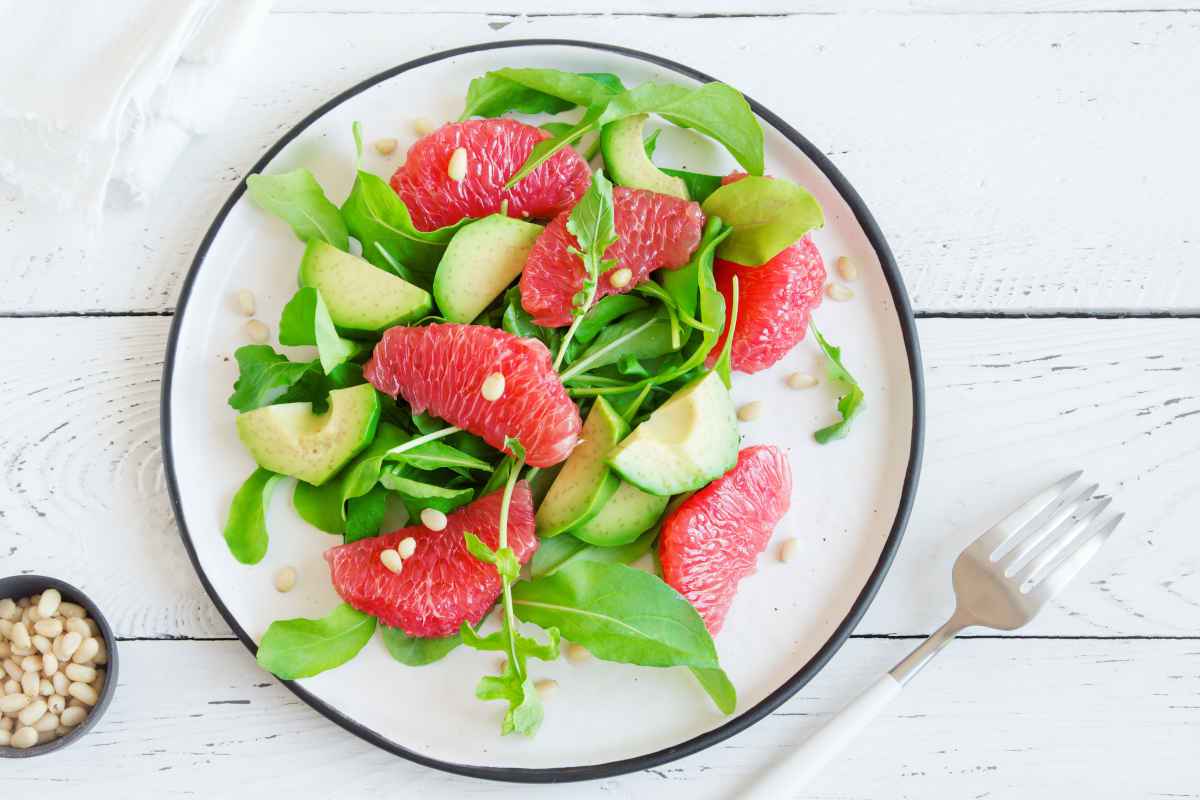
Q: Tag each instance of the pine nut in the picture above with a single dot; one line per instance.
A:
(11, 687)
(433, 519)
(78, 626)
(87, 651)
(41, 644)
(78, 672)
(60, 683)
(391, 560)
(285, 580)
(13, 669)
(83, 693)
(32, 712)
(13, 702)
(5, 649)
(20, 652)
(72, 716)
(98, 684)
(257, 331)
(20, 636)
(101, 656)
(750, 411)
(49, 664)
(621, 278)
(546, 687)
(9, 610)
(48, 627)
(24, 738)
(6, 627)
(5, 738)
(31, 684)
(93, 628)
(48, 605)
(457, 166)
(847, 268)
(245, 302)
(839, 293)
(71, 610)
(66, 645)
(46, 736)
(801, 380)
(423, 126)
(48, 723)
(57, 704)
(46, 688)
(577, 653)
(493, 387)
(7, 724)
(31, 664)
(407, 546)
(385, 147)
(789, 550)
(30, 615)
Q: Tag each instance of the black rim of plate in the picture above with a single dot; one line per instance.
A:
(793, 684)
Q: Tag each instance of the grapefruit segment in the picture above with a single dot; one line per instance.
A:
(441, 585)
(441, 369)
(714, 538)
(495, 150)
(655, 231)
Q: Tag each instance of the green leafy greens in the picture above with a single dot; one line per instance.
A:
(414, 651)
(305, 321)
(297, 199)
(536, 91)
(246, 528)
(849, 405)
(301, 648)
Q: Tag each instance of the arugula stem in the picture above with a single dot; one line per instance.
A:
(575, 323)
(631, 412)
(510, 622)
(412, 444)
(583, 363)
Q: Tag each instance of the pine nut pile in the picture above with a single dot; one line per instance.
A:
(53, 656)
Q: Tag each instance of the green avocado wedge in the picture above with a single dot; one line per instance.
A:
(482, 259)
(767, 216)
(361, 298)
(585, 483)
(625, 157)
(628, 514)
(288, 438)
(687, 442)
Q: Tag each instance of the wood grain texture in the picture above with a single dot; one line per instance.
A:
(1005, 720)
(763, 8)
(1012, 404)
(1016, 162)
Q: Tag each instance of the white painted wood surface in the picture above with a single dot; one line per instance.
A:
(1008, 156)
(1018, 162)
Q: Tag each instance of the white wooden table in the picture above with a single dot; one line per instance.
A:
(1035, 172)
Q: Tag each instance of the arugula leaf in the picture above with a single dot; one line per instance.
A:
(297, 199)
(536, 91)
(548, 147)
(246, 528)
(724, 365)
(516, 320)
(767, 215)
(559, 551)
(364, 515)
(699, 185)
(306, 321)
(592, 224)
(301, 648)
(643, 334)
(608, 309)
(415, 651)
(418, 495)
(324, 506)
(619, 614)
(850, 404)
(378, 218)
(436, 455)
(264, 376)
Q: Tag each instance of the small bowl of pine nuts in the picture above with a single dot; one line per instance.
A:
(58, 665)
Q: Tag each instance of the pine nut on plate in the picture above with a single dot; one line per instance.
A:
(52, 690)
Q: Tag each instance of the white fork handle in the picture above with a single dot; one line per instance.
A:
(787, 777)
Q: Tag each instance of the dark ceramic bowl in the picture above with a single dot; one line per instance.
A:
(18, 586)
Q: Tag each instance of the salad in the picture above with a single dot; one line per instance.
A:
(526, 339)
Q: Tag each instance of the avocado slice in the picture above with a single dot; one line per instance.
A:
(627, 514)
(687, 441)
(480, 262)
(585, 483)
(361, 298)
(290, 439)
(625, 156)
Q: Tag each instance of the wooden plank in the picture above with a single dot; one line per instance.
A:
(767, 8)
(998, 719)
(1012, 403)
(1006, 156)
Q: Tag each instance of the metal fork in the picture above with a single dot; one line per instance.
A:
(1001, 581)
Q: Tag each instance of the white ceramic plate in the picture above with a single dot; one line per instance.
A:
(849, 506)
